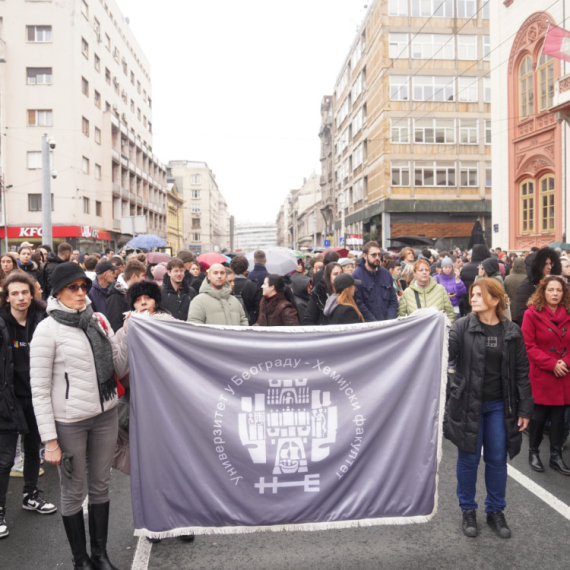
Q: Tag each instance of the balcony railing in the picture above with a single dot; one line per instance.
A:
(117, 225)
(125, 192)
(116, 189)
(115, 155)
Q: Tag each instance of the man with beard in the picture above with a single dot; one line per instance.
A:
(376, 297)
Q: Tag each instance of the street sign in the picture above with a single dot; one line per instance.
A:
(341, 240)
(327, 243)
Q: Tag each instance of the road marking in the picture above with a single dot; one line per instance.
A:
(142, 554)
(540, 492)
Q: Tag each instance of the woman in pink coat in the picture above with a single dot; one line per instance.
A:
(546, 331)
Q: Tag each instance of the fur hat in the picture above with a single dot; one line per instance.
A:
(148, 288)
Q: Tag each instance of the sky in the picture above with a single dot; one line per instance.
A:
(239, 86)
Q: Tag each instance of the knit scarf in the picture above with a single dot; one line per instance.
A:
(100, 345)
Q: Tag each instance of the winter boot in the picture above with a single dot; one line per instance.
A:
(498, 523)
(535, 430)
(98, 527)
(556, 439)
(75, 530)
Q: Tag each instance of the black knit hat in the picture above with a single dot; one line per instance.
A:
(148, 288)
(66, 273)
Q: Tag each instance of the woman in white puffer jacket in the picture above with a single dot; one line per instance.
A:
(73, 360)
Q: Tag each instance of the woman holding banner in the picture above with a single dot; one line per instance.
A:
(490, 402)
(74, 358)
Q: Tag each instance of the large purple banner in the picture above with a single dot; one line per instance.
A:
(249, 429)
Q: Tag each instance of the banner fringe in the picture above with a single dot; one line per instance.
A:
(306, 527)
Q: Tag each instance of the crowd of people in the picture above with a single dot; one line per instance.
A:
(65, 382)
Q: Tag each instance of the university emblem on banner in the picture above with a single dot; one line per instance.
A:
(289, 428)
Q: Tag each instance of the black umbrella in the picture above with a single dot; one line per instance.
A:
(477, 236)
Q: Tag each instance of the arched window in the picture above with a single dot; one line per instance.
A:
(545, 73)
(546, 186)
(526, 88)
(527, 206)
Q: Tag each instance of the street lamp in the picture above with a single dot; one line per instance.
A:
(4, 190)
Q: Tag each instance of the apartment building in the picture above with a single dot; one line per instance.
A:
(206, 215)
(306, 224)
(72, 69)
(411, 124)
(175, 219)
(249, 237)
(531, 118)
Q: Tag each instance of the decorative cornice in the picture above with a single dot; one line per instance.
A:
(533, 28)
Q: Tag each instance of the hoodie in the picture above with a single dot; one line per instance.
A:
(492, 270)
(513, 280)
(471, 270)
(340, 314)
(116, 303)
(534, 263)
(300, 284)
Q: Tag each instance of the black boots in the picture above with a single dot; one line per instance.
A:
(535, 430)
(75, 530)
(98, 526)
(556, 462)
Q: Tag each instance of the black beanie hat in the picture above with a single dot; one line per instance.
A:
(66, 273)
(148, 288)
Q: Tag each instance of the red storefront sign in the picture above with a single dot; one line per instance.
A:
(15, 232)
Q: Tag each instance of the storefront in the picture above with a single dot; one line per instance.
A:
(86, 239)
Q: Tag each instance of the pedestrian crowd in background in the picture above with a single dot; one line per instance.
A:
(65, 381)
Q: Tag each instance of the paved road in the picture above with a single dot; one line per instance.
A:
(541, 536)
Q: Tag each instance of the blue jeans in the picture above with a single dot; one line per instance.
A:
(493, 438)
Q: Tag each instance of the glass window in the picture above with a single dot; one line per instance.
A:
(545, 73)
(469, 175)
(487, 89)
(468, 89)
(84, 48)
(85, 87)
(527, 206)
(445, 173)
(400, 131)
(546, 185)
(195, 179)
(468, 131)
(467, 47)
(85, 126)
(97, 99)
(85, 205)
(398, 46)
(486, 48)
(97, 135)
(39, 75)
(398, 7)
(466, 8)
(486, 8)
(434, 131)
(97, 172)
(399, 88)
(488, 175)
(400, 173)
(430, 88)
(98, 209)
(85, 9)
(39, 34)
(526, 88)
(432, 8)
(97, 62)
(34, 160)
(487, 131)
(37, 118)
(433, 46)
(85, 165)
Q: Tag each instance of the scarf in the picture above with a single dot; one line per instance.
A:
(100, 345)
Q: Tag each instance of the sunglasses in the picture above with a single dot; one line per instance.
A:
(374, 255)
(74, 288)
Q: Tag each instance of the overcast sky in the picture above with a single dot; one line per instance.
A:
(239, 85)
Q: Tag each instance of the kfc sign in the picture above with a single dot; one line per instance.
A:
(30, 232)
(89, 232)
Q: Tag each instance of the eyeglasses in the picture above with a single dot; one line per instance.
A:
(374, 254)
(74, 288)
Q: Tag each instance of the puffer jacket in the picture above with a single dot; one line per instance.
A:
(451, 286)
(434, 295)
(63, 375)
(216, 307)
(467, 342)
(376, 297)
(277, 312)
(30, 268)
(513, 280)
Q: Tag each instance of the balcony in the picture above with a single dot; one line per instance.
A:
(116, 189)
(145, 203)
(138, 171)
(132, 166)
(116, 156)
(125, 192)
(124, 129)
(124, 161)
(116, 225)
(145, 176)
(139, 200)
(114, 121)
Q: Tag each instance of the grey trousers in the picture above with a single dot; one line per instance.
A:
(92, 443)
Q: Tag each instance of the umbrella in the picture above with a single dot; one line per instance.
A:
(279, 260)
(232, 254)
(298, 254)
(147, 241)
(340, 250)
(210, 259)
(559, 244)
(477, 236)
(157, 257)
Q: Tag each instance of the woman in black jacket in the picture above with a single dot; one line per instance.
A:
(314, 314)
(490, 401)
(341, 308)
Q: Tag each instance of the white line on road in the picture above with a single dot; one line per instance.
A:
(540, 492)
(142, 554)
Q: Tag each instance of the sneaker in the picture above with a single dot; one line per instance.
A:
(18, 470)
(470, 523)
(35, 502)
(3, 526)
(498, 523)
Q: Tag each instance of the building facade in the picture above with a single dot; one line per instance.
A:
(175, 219)
(73, 70)
(411, 124)
(530, 127)
(249, 237)
(206, 215)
